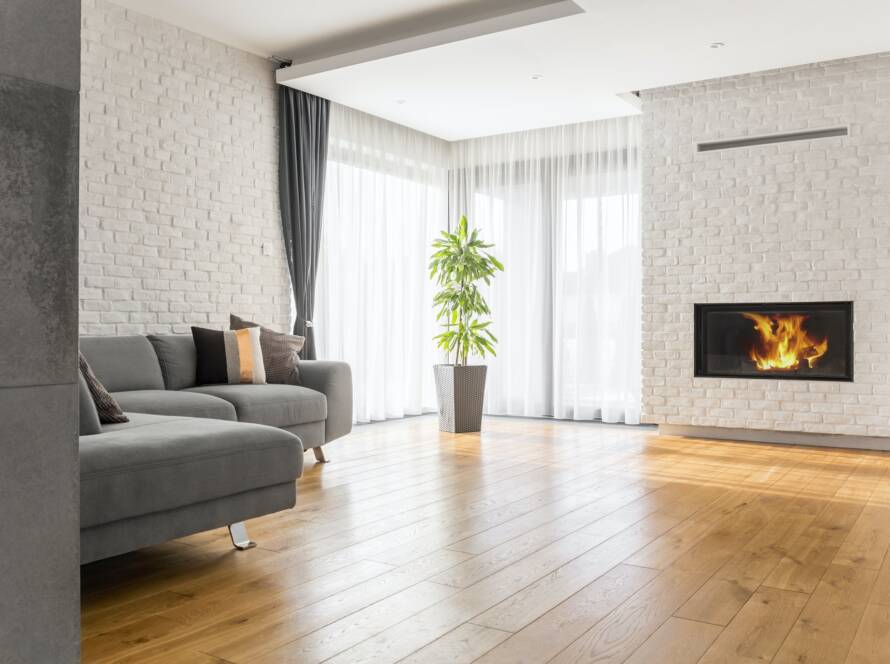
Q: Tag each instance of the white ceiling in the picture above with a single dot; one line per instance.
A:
(484, 85)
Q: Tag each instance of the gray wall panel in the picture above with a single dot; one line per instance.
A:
(36, 41)
(38, 215)
(39, 475)
(40, 525)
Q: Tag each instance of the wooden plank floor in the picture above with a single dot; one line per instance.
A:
(537, 541)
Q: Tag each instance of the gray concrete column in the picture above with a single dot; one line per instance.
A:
(39, 481)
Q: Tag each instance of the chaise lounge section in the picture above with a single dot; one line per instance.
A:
(159, 477)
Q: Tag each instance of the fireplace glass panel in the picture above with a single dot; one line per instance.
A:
(809, 341)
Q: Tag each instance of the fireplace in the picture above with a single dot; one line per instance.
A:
(801, 340)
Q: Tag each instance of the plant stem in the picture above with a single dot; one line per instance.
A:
(461, 327)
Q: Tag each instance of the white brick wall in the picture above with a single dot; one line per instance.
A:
(179, 180)
(792, 222)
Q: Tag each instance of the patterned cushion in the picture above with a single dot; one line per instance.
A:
(229, 357)
(280, 351)
(90, 424)
(106, 405)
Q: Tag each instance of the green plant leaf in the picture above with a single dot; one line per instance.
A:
(459, 261)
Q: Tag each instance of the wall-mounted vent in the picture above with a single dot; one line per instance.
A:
(767, 139)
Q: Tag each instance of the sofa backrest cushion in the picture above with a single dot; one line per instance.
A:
(178, 359)
(123, 363)
(89, 416)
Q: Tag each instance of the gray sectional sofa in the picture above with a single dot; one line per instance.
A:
(195, 457)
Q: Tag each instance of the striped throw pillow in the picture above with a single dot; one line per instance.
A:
(280, 351)
(229, 357)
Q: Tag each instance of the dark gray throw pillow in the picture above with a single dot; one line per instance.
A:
(178, 359)
(280, 351)
(106, 405)
(89, 416)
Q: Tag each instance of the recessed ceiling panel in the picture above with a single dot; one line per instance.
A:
(565, 70)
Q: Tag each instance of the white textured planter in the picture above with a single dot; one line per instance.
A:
(461, 390)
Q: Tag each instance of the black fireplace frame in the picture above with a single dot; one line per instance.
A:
(766, 307)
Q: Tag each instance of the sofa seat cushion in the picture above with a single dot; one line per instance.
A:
(169, 402)
(273, 405)
(156, 463)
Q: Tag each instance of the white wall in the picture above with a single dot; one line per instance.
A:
(179, 180)
(792, 222)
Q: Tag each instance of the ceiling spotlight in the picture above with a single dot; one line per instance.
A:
(401, 101)
(717, 44)
(537, 77)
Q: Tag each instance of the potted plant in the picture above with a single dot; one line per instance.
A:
(459, 263)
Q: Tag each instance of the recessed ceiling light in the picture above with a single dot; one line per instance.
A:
(717, 44)
(537, 77)
(401, 101)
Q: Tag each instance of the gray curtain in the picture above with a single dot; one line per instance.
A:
(303, 136)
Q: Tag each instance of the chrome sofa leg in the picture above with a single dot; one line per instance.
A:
(319, 454)
(240, 539)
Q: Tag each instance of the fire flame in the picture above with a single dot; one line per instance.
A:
(784, 342)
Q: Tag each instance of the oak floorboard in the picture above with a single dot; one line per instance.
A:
(732, 586)
(677, 641)
(829, 621)
(339, 635)
(460, 646)
(558, 627)
(630, 625)
(261, 627)
(880, 593)
(522, 608)
(809, 555)
(871, 645)
(534, 541)
(868, 540)
(758, 629)
(618, 635)
(585, 527)
(432, 623)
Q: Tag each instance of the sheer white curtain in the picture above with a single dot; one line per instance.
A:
(562, 206)
(385, 200)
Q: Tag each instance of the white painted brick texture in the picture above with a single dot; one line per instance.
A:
(179, 183)
(791, 222)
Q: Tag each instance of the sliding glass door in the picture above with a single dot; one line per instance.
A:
(562, 206)
(385, 201)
